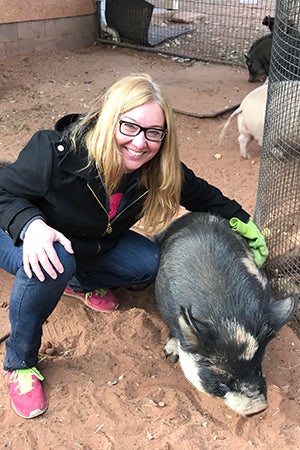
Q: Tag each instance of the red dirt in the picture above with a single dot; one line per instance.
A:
(107, 382)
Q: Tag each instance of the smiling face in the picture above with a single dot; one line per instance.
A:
(137, 150)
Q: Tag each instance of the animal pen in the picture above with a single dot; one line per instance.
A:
(207, 30)
(278, 199)
(223, 31)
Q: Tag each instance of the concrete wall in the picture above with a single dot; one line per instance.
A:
(46, 25)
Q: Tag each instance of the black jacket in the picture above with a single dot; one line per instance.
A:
(49, 180)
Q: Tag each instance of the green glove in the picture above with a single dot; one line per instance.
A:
(255, 239)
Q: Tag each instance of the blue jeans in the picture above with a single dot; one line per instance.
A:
(134, 260)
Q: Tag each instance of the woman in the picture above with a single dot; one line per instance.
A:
(66, 208)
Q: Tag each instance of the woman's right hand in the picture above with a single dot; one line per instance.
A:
(39, 252)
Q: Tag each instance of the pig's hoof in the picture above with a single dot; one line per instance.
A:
(245, 155)
(171, 348)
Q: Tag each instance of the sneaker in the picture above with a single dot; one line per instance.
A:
(27, 395)
(99, 300)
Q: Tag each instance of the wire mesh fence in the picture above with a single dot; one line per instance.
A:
(209, 30)
(278, 199)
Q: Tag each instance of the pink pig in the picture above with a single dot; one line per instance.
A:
(250, 118)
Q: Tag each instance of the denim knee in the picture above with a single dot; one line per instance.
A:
(67, 259)
(11, 256)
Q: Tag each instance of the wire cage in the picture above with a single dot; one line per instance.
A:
(207, 30)
(278, 200)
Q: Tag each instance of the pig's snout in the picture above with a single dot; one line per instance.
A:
(245, 406)
(247, 401)
(257, 78)
(248, 396)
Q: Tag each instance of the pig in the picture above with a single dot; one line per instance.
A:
(250, 119)
(258, 59)
(289, 27)
(269, 22)
(218, 308)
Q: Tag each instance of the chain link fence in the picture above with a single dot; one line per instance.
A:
(207, 30)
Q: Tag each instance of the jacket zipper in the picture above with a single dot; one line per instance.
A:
(109, 222)
(108, 226)
(128, 206)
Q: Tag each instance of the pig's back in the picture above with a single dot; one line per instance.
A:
(207, 267)
(253, 109)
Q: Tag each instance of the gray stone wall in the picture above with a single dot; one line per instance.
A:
(25, 38)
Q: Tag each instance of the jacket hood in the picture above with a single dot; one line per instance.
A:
(66, 121)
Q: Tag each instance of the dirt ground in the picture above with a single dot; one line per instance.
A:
(109, 386)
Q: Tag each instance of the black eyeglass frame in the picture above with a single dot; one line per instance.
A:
(140, 129)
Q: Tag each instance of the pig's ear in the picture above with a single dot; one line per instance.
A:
(187, 328)
(196, 332)
(282, 310)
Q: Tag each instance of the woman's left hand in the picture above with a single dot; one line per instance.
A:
(39, 252)
(255, 239)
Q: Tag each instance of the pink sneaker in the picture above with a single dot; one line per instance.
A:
(99, 300)
(27, 395)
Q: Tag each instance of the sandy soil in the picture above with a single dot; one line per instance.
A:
(109, 386)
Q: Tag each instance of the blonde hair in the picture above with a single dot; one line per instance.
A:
(161, 175)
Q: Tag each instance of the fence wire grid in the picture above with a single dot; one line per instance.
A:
(278, 201)
(207, 30)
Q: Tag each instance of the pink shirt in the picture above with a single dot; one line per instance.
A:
(114, 202)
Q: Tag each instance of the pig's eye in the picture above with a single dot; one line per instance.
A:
(259, 373)
(230, 382)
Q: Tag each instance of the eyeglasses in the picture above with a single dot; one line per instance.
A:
(132, 129)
